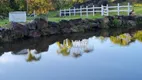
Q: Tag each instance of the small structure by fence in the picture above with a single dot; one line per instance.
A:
(17, 16)
(104, 10)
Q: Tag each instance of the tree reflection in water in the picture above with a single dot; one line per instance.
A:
(74, 48)
(138, 36)
(102, 39)
(125, 39)
(65, 47)
(32, 56)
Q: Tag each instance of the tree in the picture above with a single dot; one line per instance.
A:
(18, 5)
(39, 6)
(13, 4)
(59, 4)
(4, 7)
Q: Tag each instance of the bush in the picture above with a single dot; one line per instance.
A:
(4, 9)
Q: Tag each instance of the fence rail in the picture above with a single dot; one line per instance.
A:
(104, 10)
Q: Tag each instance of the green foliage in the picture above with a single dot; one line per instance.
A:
(22, 6)
(11, 5)
(60, 4)
(3, 22)
(4, 8)
(114, 23)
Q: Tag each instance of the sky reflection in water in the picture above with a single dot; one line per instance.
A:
(107, 61)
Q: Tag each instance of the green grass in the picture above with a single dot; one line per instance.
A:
(57, 19)
(138, 10)
(4, 22)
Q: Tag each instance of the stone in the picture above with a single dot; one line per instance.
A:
(65, 26)
(19, 29)
(41, 23)
(34, 33)
(53, 28)
(131, 23)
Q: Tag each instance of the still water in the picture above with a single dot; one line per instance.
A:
(89, 56)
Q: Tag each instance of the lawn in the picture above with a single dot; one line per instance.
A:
(138, 10)
(57, 19)
(4, 22)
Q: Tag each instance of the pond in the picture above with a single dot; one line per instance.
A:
(101, 55)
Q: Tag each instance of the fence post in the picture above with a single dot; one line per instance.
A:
(60, 13)
(80, 11)
(102, 10)
(87, 11)
(34, 13)
(69, 12)
(118, 9)
(74, 11)
(64, 12)
(93, 10)
(128, 8)
(107, 9)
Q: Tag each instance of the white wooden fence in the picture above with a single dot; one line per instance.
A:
(104, 10)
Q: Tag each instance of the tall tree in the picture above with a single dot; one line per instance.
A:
(39, 6)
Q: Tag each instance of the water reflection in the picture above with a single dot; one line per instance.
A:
(32, 56)
(27, 54)
(74, 48)
(123, 39)
(64, 48)
(138, 36)
(74, 45)
(126, 38)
